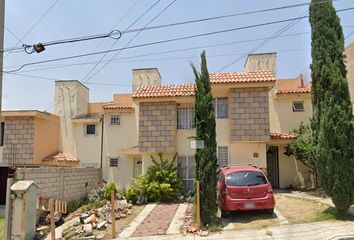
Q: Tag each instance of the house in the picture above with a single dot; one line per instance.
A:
(30, 138)
(255, 115)
(349, 53)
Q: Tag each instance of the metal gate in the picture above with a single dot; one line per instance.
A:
(273, 165)
(5, 172)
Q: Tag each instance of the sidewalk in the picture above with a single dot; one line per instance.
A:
(331, 230)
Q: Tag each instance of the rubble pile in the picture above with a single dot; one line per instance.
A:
(92, 224)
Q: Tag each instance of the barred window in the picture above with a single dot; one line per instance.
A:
(223, 156)
(185, 118)
(115, 119)
(221, 107)
(90, 129)
(186, 171)
(298, 107)
(113, 162)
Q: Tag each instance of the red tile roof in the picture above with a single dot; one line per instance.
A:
(242, 77)
(299, 90)
(61, 157)
(172, 90)
(118, 106)
(282, 136)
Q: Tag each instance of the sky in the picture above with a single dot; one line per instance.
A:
(31, 22)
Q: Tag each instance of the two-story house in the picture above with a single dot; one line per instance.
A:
(255, 115)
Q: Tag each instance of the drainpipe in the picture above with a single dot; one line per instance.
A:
(102, 132)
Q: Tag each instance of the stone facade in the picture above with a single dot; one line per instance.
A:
(249, 118)
(61, 183)
(18, 140)
(157, 126)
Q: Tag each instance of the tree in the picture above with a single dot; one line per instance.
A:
(332, 121)
(206, 160)
(301, 147)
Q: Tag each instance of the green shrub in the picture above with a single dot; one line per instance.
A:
(160, 183)
(75, 204)
(108, 189)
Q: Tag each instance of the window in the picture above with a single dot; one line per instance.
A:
(246, 178)
(2, 133)
(185, 118)
(223, 156)
(298, 107)
(186, 171)
(90, 129)
(221, 107)
(115, 119)
(113, 162)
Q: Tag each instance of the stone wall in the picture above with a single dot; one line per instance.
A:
(157, 126)
(61, 183)
(249, 118)
(18, 140)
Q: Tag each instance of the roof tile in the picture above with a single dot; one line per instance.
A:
(282, 136)
(118, 106)
(172, 90)
(242, 77)
(61, 157)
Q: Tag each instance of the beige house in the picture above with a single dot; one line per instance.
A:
(30, 138)
(255, 115)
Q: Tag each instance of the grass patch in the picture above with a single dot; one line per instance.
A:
(251, 220)
(2, 225)
(331, 214)
(298, 210)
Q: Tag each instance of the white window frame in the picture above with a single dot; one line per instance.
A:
(186, 118)
(90, 134)
(222, 115)
(115, 160)
(298, 109)
(114, 120)
(228, 155)
(188, 160)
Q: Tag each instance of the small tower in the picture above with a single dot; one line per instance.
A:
(145, 77)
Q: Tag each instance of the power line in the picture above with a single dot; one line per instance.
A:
(278, 33)
(14, 35)
(168, 40)
(132, 24)
(37, 22)
(114, 26)
(132, 39)
(177, 23)
(152, 59)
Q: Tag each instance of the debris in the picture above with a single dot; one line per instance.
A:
(122, 215)
(91, 219)
(101, 225)
(83, 216)
(87, 230)
(203, 233)
(42, 228)
(100, 236)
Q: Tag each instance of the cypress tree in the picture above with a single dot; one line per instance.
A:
(206, 160)
(332, 121)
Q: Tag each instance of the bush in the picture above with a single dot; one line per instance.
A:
(160, 183)
(75, 204)
(108, 189)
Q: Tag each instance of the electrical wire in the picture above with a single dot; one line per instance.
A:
(265, 42)
(132, 24)
(131, 40)
(113, 27)
(176, 24)
(14, 35)
(167, 41)
(36, 23)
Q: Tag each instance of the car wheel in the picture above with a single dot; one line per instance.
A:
(270, 211)
(224, 213)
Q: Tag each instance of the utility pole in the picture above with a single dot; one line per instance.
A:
(2, 26)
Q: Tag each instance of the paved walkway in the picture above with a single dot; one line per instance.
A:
(332, 230)
(158, 221)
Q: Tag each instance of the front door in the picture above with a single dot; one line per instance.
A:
(137, 167)
(273, 165)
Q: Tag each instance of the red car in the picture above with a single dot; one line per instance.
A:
(244, 188)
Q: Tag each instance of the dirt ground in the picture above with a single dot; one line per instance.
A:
(299, 210)
(2, 223)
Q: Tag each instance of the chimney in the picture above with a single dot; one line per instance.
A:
(302, 80)
(145, 77)
(261, 62)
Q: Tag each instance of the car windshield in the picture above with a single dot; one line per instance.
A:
(245, 178)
